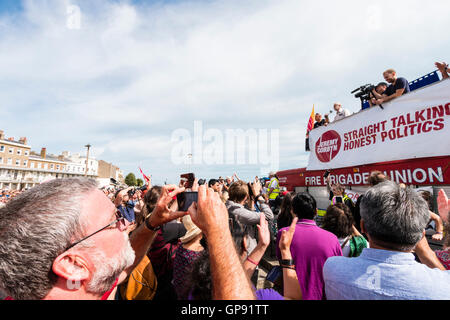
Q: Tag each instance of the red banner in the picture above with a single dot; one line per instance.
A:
(425, 171)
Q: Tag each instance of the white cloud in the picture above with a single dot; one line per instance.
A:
(131, 74)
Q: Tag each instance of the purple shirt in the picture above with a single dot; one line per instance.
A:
(311, 246)
(268, 294)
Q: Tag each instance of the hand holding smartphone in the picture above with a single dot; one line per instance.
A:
(185, 200)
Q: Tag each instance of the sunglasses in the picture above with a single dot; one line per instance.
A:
(120, 223)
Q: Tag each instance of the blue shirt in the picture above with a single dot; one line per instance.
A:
(400, 83)
(384, 275)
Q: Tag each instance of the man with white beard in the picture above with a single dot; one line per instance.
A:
(65, 240)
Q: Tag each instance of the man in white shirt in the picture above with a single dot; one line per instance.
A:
(341, 113)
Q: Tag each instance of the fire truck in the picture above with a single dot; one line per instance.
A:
(408, 139)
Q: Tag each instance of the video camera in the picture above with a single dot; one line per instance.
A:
(365, 92)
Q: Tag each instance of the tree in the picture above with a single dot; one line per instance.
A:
(139, 182)
(130, 180)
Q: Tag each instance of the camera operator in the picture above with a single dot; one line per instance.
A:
(397, 88)
(380, 88)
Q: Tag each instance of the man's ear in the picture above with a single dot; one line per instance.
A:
(71, 266)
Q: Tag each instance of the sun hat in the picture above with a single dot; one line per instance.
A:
(191, 229)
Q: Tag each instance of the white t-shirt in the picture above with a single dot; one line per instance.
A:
(341, 114)
(346, 249)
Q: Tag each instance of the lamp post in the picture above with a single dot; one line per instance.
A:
(189, 156)
(88, 146)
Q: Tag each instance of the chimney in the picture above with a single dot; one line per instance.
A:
(61, 157)
(23, 140)
(2, 135)
(11, 139)
(43, 152)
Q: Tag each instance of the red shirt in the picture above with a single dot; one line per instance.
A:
(444, 257)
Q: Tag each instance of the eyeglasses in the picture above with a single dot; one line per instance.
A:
(122, 226)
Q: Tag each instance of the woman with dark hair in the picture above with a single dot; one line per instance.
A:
(339, 220)
(285, 217)
(199, 280)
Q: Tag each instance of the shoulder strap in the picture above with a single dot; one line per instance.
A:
(343, 245)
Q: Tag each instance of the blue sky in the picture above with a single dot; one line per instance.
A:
(8, 6)
(137, 71)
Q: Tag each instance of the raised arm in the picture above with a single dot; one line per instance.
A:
(443, 68)
(427, 256)
(263, 242)
(292, 289)
(439, 226)
(443, 205)
(229, 279)
(142, 238)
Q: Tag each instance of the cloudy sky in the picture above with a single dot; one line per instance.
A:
(129, 76)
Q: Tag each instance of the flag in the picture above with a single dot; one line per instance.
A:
(145, 177)
(311, 121)
(309, 128)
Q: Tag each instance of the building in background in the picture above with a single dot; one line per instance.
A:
(106, 171)
(22, 168)
(78, 164)
(14, 161)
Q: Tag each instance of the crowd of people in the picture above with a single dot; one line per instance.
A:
(68, 239)
(7, 194)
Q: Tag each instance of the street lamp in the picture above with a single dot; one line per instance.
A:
(189, 155)
(88, 146)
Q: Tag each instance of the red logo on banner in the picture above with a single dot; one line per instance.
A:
(328, 146)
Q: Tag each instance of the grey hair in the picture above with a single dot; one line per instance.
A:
(395, 216)
(36, 227)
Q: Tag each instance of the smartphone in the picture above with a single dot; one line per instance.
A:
(185, 199)
(250, 190)
(327, 173)
(189, 178)
(339, 200)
